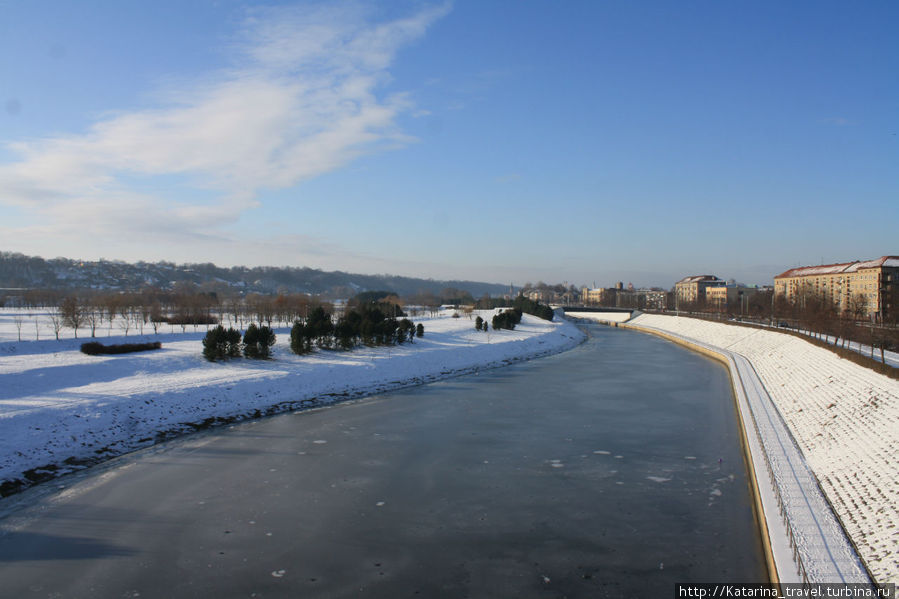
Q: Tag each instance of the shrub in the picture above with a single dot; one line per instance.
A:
(528, 306)
(220, 343)
(319, 327)
(300, 343)
(258, 341)
(95, 348)
(404, 327)
(345, 333)
(419, 330)
(506, 319)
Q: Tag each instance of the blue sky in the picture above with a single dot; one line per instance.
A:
(501, 141)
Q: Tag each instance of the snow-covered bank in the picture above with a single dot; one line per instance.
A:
(599, 316)
(57, 404)
(844, 418)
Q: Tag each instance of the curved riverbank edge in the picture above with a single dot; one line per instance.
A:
(802, 538)
(149, 398)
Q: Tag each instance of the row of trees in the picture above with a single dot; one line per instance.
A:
(366, 325)
(507, 319)
(153, 309)
(520, 303)
(822, 319)
(817, 316)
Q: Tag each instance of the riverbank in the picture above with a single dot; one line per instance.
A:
(61, 410)
(844, 419)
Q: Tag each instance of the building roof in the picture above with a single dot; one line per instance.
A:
(834, 269)
(698, 278)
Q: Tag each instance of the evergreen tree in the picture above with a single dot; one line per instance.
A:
(257, 342)
(320, 328)
(220, 343)
(298, 339)
(507, 319)
(345, 333)
(402, 330)
(233, 345)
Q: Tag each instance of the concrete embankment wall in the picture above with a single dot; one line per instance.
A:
(806, 541)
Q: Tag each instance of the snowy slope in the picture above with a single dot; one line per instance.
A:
(57, 403)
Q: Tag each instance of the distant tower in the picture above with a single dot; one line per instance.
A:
(619, 285)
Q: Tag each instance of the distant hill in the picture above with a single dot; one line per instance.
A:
(19, 271)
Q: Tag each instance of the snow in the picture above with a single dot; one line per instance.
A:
(843, 417)
(889, 357)
(599, 316)
(57, 403)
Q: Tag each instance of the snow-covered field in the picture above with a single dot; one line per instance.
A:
(844, 417)
(57, 404)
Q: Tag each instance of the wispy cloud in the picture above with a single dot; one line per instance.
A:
(301, 99)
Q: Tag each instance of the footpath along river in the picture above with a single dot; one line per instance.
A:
(611, 470)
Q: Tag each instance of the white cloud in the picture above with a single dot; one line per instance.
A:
(301, 100)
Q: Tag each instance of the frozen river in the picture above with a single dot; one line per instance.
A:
(613, 469)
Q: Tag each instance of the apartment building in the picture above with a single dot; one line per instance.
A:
(693, 288)
(865, 287)
(599, 296)
(722, 295)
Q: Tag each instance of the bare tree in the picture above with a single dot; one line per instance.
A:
(111, 305)
(55, 319)
(236, 309)
(19, 320)
(124, 310)
(156, 317)
(72, 313)
(93, 316)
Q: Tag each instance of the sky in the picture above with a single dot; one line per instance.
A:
(585, 142)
